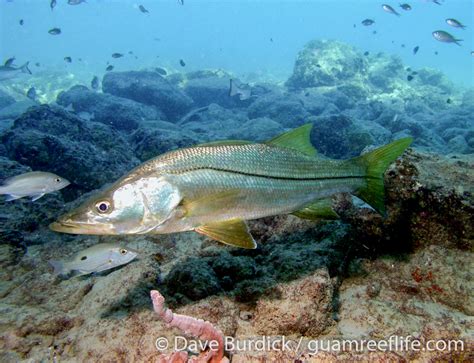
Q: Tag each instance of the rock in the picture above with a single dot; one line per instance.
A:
(257, 129)
(341, 137)
(5, 99)
(14, 110)
(149, 88)
(151, 142)
(326, 63)
(207, 90)
(302, 307)
(288, 110)
(120, 113)
(89, 154)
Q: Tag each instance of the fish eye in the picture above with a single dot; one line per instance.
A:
(123, 251)
(57, 180)
(103, 206)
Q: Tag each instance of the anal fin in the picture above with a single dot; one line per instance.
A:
(233, 232)
(320, 209)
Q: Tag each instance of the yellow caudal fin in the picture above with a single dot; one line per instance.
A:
(320, 209)
(376, 163)
(297, 139)
(233, 232)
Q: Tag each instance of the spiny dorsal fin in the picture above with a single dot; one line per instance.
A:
(320, 209)
(297, 139)
(233, 232)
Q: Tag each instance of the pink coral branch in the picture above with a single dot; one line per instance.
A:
(196, 327)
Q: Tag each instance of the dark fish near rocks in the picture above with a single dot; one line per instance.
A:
(449, 101)
(68, 59)
(366, 53)
(455, 23)
(9, 72)
(100, 257)
(142, 9)
(54, 31)
(117, 55)
(181, 62)
(445, 37)
(214, 188)
(415, 50)
(109, 68)
(95, 83)
(410, 78)
(34, 184)
(368, 22)
(52, 4)
(405, 7)
(9, 62)
(31, 94)
(241, 90)
(389, 9)
(161, 71)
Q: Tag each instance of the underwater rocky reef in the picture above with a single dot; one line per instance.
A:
(361, 276)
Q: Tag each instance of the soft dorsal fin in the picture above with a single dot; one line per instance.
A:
(233, 232)
(320, 209)
(297, 139)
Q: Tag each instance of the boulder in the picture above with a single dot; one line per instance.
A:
(120, 113)
(149, 88)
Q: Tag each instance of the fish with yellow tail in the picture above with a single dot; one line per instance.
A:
(214, 188)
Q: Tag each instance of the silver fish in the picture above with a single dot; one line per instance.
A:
(455, 23)
(242, 90)
(213, 188)
(100, 257)
(389, 9)
(33, 184)
(445, 37)
(9, 72)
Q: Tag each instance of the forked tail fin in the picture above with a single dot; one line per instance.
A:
(24, 68)
(376, 162)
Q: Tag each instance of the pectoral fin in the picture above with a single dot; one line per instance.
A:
(233, 232)
(297, 139)
(36, 197)
(321, 209)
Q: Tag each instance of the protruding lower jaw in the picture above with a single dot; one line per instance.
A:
(79, 228)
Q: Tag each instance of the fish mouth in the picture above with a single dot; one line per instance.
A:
(71, 227)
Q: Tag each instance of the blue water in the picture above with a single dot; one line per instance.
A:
(231, 34)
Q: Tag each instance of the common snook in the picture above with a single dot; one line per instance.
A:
(213, 188)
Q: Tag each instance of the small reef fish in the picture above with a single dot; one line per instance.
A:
(21, 22)
(100, 257)
(143, 9)
(33, 184)
(213, 188)
(161, 71)
(241, 90)
(406, 7)
(109, 68)
(368, 22)
(410, 78)
(54, 31)
(75, 2)
(52, 4)
(68, 59)
(31, 93)
(181, 2)
(181, 63)
(445, 37)
(455, 23)
(9, 62)
(416, 49)
(117, 55)
(9, 72)
(389, 9)
(95, 83)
